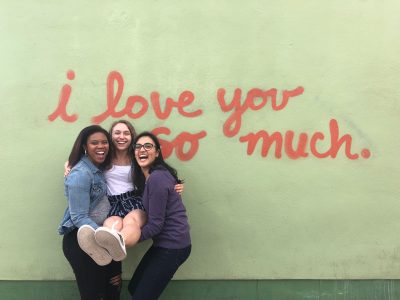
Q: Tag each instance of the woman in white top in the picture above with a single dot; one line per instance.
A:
(127, 215)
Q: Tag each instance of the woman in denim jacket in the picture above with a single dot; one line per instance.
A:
(97, 276)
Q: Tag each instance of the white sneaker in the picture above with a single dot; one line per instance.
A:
(112, 241)
(88, 244)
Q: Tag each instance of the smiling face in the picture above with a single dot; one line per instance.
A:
(97, 148)
(121, 137)
(146, 154)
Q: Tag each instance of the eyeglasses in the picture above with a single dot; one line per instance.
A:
(146, 146)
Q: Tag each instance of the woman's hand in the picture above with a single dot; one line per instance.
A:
(179, 188)
(67, 168)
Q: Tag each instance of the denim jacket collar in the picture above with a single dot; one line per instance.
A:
(89, 163)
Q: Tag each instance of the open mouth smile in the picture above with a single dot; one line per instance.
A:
(143, 157)
(100, 154)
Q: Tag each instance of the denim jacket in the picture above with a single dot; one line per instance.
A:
(85, 188)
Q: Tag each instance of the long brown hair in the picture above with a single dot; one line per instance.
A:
(131, 151)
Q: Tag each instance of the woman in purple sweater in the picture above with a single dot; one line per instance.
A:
(167, 222)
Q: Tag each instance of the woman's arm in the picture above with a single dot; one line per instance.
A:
(155, 199)
(78, 184)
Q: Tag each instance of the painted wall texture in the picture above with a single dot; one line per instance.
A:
(281, 116)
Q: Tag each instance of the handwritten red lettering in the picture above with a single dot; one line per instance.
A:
(186, 145)
(252, 139)
(276, 138)
(185, 99)
(179, 143)
(233, 124)
(365, 153)
(115, 78)
(301, 145)
(61, 110)
(336, 143)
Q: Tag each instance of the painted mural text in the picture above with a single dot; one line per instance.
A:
(185, 145)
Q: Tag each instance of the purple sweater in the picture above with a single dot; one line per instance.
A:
(167, 222)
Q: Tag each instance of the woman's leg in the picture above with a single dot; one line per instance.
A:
(94, 281)
(114, 284)
(114, 222)
(129, 226)
(132, 223)
(155, 271)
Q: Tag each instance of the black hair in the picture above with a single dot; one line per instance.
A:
(78, 149)
(158, 164)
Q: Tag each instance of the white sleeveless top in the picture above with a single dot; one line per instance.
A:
(119, 180)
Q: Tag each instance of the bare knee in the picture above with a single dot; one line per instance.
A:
(137, 216)
(113, 222)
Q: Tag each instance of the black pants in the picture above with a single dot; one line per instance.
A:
(93, 280)
(155, 271)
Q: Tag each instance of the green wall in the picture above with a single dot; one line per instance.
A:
(328, 211)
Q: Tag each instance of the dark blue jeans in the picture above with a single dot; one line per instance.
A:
(155, 271)
(93, 280)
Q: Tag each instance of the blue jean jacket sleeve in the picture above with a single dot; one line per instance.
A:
(78, 190)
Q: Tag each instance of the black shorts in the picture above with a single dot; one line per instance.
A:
(123, 204)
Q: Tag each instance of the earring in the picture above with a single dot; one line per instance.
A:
(85, 153)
